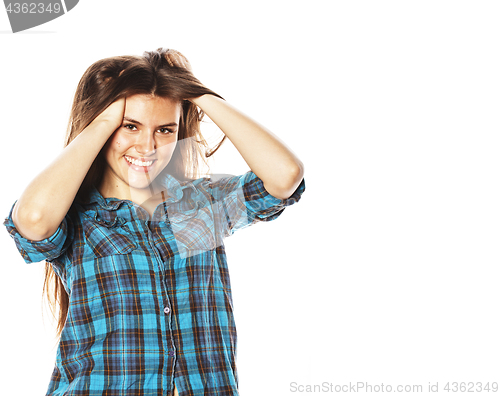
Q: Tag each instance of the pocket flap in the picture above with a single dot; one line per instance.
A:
(106, 238)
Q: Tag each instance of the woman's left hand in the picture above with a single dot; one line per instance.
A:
(175, 58)
(266, 155)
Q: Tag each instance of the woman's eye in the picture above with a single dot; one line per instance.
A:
(130, 126)
(165, 131)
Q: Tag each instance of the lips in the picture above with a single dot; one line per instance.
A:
(139, 162)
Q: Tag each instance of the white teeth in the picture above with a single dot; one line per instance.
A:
(137, 162)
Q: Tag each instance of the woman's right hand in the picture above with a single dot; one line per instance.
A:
(47, 199)
(111, 118)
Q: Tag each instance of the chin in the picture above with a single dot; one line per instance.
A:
(140, 184)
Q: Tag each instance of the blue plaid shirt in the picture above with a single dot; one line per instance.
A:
(150, 298)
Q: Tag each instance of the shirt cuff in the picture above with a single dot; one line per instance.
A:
(261, 203)
(36, 251)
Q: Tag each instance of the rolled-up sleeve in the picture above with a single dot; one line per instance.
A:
(242, 200)
(46, 249)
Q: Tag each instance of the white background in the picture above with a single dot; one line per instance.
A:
(387, 271)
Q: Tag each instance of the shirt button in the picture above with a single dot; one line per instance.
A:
(166, 310)
(171, 353)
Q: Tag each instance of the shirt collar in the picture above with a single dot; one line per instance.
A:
(174, 192)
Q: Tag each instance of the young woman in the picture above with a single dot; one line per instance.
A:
(135, 239)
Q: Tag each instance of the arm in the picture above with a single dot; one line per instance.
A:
(47, 199)
(266, 155)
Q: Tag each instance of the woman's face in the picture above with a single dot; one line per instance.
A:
(142, 147)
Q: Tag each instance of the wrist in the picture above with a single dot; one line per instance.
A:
(207, 101)
(199, 99)
(103, 128)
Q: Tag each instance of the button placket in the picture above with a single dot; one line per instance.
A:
(169, 346)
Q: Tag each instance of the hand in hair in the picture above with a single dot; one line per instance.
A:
(45, 202)
(266, 155)
(112, 117)
(175, 58)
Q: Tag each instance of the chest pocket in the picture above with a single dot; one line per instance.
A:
(194, 230)
(107, 237)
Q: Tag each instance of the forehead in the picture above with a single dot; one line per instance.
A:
(148, 107)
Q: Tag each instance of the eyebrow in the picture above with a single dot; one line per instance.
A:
(171, 124)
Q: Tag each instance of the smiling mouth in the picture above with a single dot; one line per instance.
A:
(137, 162)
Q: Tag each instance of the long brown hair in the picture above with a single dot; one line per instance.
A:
(162, 73)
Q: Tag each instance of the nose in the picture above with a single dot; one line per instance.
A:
(145, 144)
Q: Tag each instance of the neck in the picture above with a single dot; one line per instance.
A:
(136, 195)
